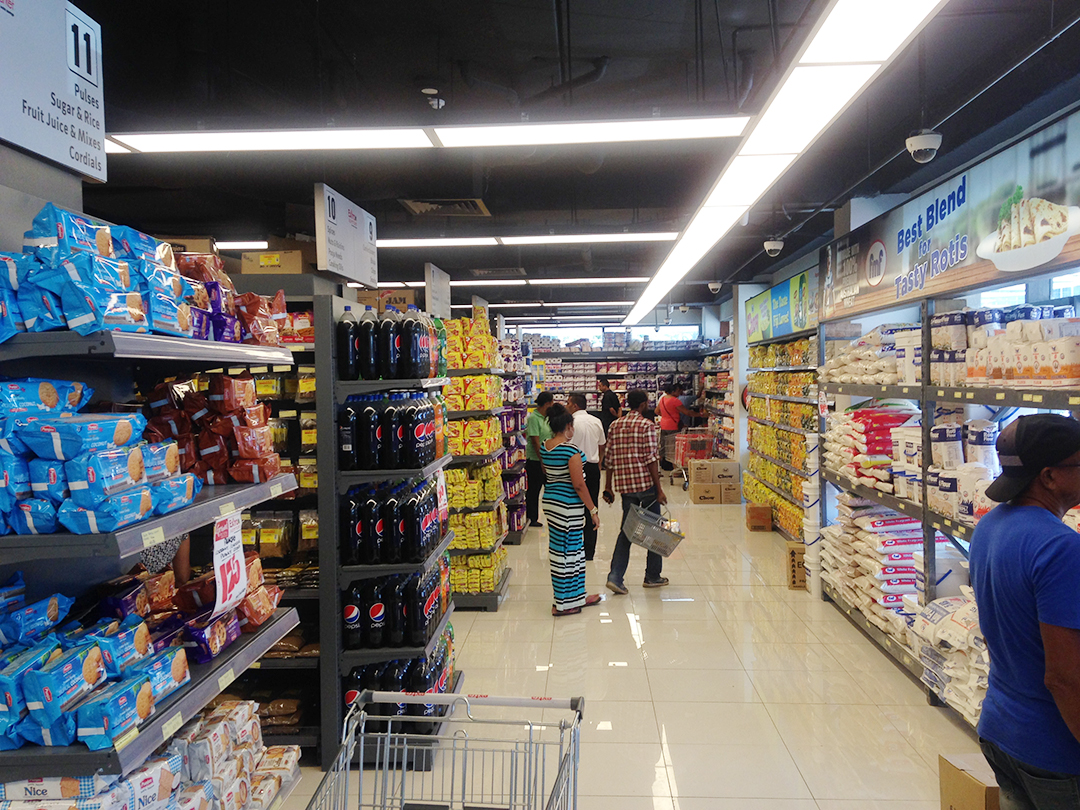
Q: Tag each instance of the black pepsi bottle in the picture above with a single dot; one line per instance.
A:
(393, 679)
(395, 611)
(422, 679)
(367, 430)
(352, 524)
(347, 435)
(373, 615)
(389, 344)
(392, 528)
(348, 362)
(412, 434)
(413, 518)
(353, 685)
(353, 634)
(367, 345)
(415, 630)
(390, 433)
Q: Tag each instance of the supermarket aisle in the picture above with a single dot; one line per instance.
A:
(723, 690)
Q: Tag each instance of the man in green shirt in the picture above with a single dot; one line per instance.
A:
(537, 430)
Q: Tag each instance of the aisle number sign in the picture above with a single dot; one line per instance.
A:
(51, 91)
(230, 571)
(344, 237)
(436, 292)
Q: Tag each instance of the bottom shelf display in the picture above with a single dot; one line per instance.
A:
(477, 573)
(786, 513)
(485, 600)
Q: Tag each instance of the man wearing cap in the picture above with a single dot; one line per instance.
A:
(1025, 569)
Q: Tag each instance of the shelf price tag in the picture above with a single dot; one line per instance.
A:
(125, 739)
(226, 678)
(276, 490)
(171, 726)
(153, 537)
(226, 508)
(1036, 397)
(229, 567)
(1000, 396)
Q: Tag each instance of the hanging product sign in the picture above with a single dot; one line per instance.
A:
(1006, 218)
(759, 317)
(345, 238)
(436, 292)
(52, 99)
(230, 571)
(786, 308)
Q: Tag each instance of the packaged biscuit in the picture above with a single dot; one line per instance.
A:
(167, 671)
(12, 702)
(200, 323)
(15, 268)
(208, 752)
(236, 714)
(123, 644)
(115, 512)
(60, 733)
(48, 479)
(229, 393)
(57, 787)
(40, 307)
(161, 460)
(264, 789)
(225, 424)
(11, 318)
(57, 686)
(257, 607)
(167, 315)
(25, 624)
(180, 742)
(175, 493)
(250, 733)
(56, 231)
(209, 636)
(128, 243)
(225, 328)
(255, 470)
(126, 597)
(283, 760)
(74, 795)
(235, 796)
(196, 296)
(33, 516)
(93, 477)
(168, 423)
(203, 267)
(90, 309)
(88, 270)
(197, 595)
(74, 634)
(254, 442)
(222, 301)
(196, 796)
(12, 592)
(160, 591)
(109, 713)
(197, 407)
(34, 395)
(154, 781)
(65, 438)
(14, 480)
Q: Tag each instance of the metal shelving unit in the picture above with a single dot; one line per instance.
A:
(516, 468)
(347, 574)
(486, 506)
(472, 552)
(357, 658)
(207, 681)
(899, 504)
(901, 654)
(139, 346)
(347, 388)
(785, 495)
(473, 372)
(782, 398)
(286, 663)
(782, 465)
(778, 426)
(478, 414)
(350, 478)
(515, 538)
(484, 459)
(485, 601)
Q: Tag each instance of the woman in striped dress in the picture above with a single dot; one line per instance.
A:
(565, 500)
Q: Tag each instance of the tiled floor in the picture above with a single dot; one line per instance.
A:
(724, 690)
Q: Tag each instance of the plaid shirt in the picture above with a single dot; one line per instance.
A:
(631, 446)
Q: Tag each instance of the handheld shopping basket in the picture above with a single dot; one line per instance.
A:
(462, 762)
(651, 531)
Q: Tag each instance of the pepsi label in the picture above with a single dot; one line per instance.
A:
(377, 613)
(352, 615)
(351, 696)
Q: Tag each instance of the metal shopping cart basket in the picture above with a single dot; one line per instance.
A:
(463, 761)
(682, 448)
(654, 532)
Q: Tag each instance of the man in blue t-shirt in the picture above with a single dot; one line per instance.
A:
(1025, 569)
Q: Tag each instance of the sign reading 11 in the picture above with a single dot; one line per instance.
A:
(84, 50)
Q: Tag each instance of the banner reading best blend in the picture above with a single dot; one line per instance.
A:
(1012, 216)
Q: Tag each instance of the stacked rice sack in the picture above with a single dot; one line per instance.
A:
(951, 646)
(859, 442)
(868, 360)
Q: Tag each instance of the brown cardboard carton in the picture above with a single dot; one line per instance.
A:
(701, 471)
(796, 569)
(381, 299)
(307, 248)
(967, 782)
(730, 493)
(280, 261)
(724, 471)
(190, 244)
(705, 493)
(759, 517)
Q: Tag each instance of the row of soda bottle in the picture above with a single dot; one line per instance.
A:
(398, 611)
(426, 675)
(390, 524)
(391, 346)
(390, 432)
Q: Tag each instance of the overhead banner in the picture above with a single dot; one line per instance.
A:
(1007, 218)
(436, 291)
(52, 98)
(786, 308)
(345, 238)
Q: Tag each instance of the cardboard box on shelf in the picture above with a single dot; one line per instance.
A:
(381, 299)
(705, 493)
(759, 517)
(278, 261)
(730, 493)
(190, 244)
(967, 782)
(796, 569)
(307, 248)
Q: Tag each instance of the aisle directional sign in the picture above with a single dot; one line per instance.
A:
(345, 238)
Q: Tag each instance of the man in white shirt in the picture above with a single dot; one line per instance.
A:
(589, 439)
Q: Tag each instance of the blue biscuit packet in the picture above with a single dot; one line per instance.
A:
(93, 309)
(14, 480)
(65, 438)
(93, 477)
(161, 460)
(167, 671)
(60, 684)
(11, 317)
(14, 269)
(41, 309)
(35, 395)
(12, 592)
(89, 270)
(10, 739)
(48, 480)
(128, 243)
(60, 733)
(175, 493)
(122, 644)
(12, 701)
(74, 634)
(27, 623)
(33, 516)
(8, 441)
(56, 230)
(167, 315)
(115, 512)
(106, 715)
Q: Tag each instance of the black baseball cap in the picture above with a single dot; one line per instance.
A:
(1027, 447)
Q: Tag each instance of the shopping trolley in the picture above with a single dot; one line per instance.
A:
(682, 448)
(463, 761)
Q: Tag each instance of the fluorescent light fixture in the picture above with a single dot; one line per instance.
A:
(588, 280)
(807, 103)
(114, 148)
(453, 241)
(746, 178)
(253, 244)
(284, 140)
(649, 129)
(586, 304)
(388, 285)
(866, 31)
(589, 238)
(562, 317)
(495, 282)
(414, 284)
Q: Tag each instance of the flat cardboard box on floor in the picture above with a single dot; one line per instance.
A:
(796, 569)
(290, 262)
(705, 493)
(759, 517)
(967, 783)
(730, 493)
(700, 471)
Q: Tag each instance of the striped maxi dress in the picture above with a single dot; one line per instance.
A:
(565, 515)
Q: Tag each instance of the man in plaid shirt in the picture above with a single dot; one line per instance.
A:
(631, 464)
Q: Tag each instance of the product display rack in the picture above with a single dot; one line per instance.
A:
(485, 601)
(785, 495)
(806, 400)
(350, 478)
(483, 459)
(476, 372)
(348, 574)
(514, 469)
(477, 414)
(897, 651)
(472, 552)
(515, 538)
(486, 506)
(783, 465)
(778, 426)
(357, 658)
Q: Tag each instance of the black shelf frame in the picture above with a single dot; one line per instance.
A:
(485, 601)
(782, 465)
(784, 398)
(486, 506)
(357, 658)
(286, 663)
(140, 346)
(474, 552)
(350, 478)
(484, 459)
(347, 574)
(478, 414)
(347, 388)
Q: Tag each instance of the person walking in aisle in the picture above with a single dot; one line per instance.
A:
(610, 407)
(565, 500)
(589, 439)
(537, 431)
(671, 408)
(631, 466)
(1025, 569)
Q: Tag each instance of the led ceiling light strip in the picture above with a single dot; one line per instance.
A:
(850, 44)
(586, 280)
(450, 241)
(493, 282)
(649, 129)
(283, 140)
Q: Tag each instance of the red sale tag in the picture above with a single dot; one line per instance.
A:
(229, 568)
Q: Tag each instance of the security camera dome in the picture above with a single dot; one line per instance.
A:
(774, 246)
(923, 144)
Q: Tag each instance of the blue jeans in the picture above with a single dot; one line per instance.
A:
(654, 563)
(1025, 787)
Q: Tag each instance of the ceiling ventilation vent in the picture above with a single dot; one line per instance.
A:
(497, 272)
(459, 207)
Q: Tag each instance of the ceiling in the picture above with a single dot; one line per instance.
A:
(230, 64)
